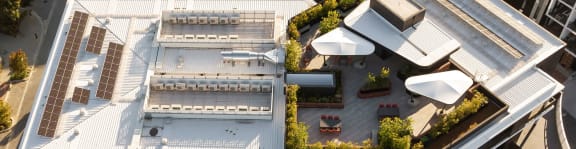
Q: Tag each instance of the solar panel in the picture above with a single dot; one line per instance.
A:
(80, 95)
(96, 39)
(53, 106)
(109, 71)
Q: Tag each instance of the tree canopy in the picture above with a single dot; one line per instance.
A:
(18, 62)
(9, 16)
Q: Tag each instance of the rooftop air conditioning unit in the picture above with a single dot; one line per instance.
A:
(176, 106)
(234, 20)
(203, 20)
(233, 86)
(182, 20)
(213, 20)
(189, 36)
(213, 87)
(255, 88)
(181, 86)
(191, 86)
(223, 20)
(223, 86)
(173, 20)
(192, 20)
(200, 36)
(169, 86)
(266, 88)
(244, 87)
(158, 86)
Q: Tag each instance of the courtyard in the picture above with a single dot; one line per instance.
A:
(359, 116)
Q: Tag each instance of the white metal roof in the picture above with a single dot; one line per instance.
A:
(424, 44)
(117, 125)
(341, 41)
(311, 79)
(517, 82)
(446, 87)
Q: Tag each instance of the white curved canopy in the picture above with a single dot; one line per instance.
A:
(341, 41)
(446, 87)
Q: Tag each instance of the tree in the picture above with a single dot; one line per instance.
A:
(395, 133)
(330, 22)
(9, 16)
(5, 113)
(18, 62)
(293, 56)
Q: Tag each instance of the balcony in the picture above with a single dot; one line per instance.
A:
(560, 12)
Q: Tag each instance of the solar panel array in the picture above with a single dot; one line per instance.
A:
(109, 71)
(53, 107)
(81, 95)
(96, 39)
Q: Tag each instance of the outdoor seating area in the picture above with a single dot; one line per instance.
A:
(388, 110)
(330, 124)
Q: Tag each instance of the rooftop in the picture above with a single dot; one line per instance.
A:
(119, 122)
(500, 55)
(424, 44)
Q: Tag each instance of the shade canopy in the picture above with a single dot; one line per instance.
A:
(341, 41)
(446, 87)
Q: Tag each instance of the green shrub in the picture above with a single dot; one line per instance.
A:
(395, 133)
(315, 13)
(293, 56)
(329, 22)
(293, 31)
(380, 81)
(18, 62)
(329, 5)
(296, 133)
(467, 108)
(317, 145)
(5, 114)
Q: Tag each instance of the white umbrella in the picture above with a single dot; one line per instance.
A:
(341, 41)
(446, 87)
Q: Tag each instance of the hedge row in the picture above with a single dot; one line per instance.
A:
(296, 133)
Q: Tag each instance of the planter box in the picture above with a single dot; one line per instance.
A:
(373, 93)
(320, 105)
(470, 124)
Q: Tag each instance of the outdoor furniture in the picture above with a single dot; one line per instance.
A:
(391, 110)
(331, 124)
